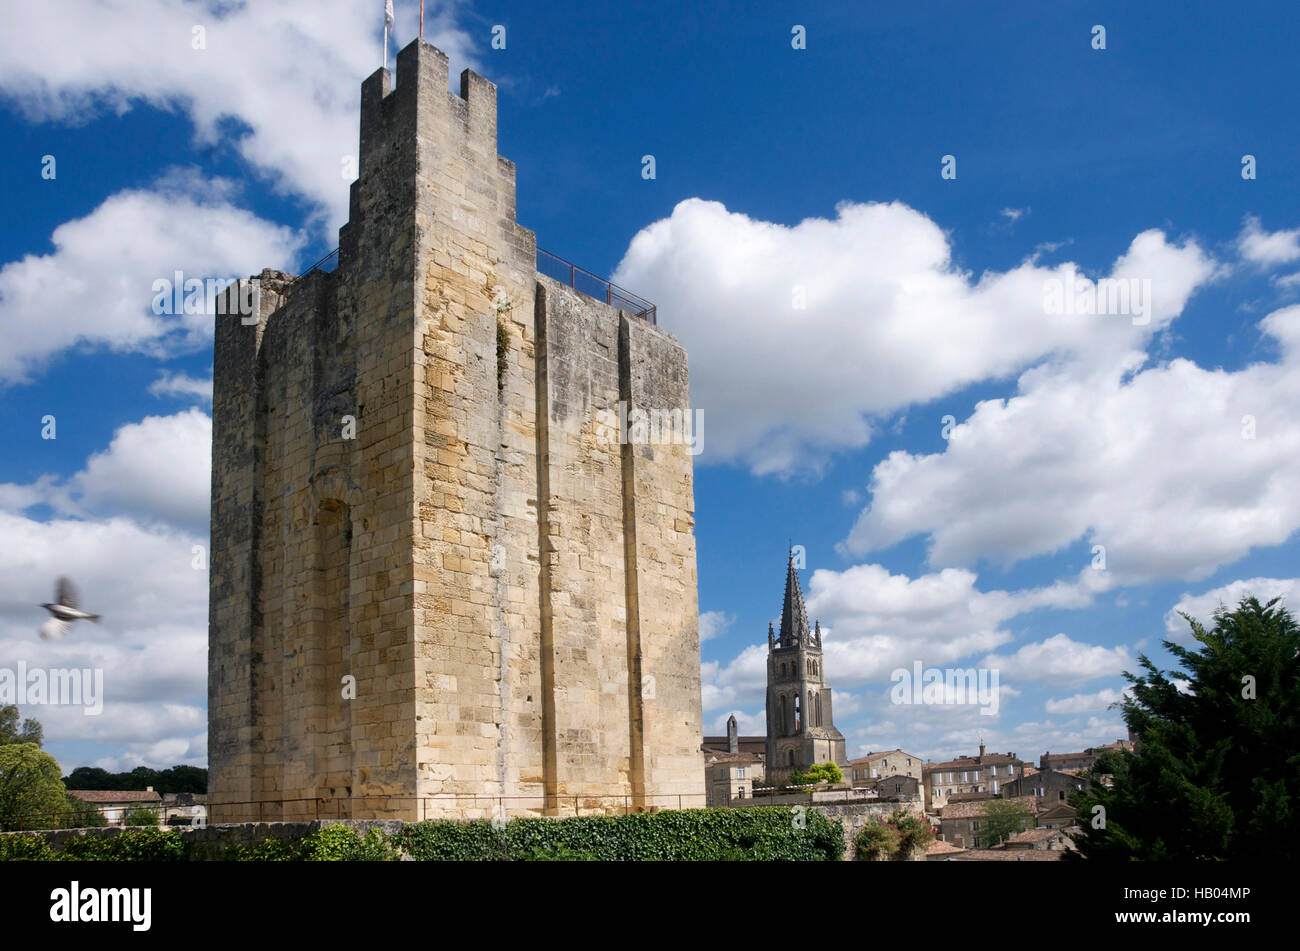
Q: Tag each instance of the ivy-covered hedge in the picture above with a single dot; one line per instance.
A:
(754, 834)
(699, 835)
(131, 845)
(336, 843)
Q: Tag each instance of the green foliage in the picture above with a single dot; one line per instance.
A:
(896, 837)
(503, 351)
(339, 843)
(559, 853)
(140, 816)
(81, 814)
(1003, 818)
(1216, 773)
(752, 834)
(10, 732)
(130, 845)
(818, 773)
(177, 779)
(876, 840)
(26, 848)
(31, 793)
(268, 850)
(913, 831)
(763, 833)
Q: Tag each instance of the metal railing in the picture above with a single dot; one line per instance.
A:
(407, 808)
(419, 808)
(327, 264)
(555, 267)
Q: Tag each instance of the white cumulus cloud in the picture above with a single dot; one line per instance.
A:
(1202, 606)
(96, 289)
(277, 80)
(843, 320)
(1174, 469)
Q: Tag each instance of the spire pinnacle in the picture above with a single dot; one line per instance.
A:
(794, 618)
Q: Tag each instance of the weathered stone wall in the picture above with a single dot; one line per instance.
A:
(853, 816)
(515, 598)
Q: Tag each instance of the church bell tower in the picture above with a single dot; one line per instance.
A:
(800, 730)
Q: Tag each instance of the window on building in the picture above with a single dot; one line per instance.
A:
(740, 793)
(1062, 794)
(740, 772)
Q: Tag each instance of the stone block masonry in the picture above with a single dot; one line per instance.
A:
(409, 497)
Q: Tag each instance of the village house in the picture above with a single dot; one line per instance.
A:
(114, 804)
(731, 765)
(866, 769)
(1039, 840)
(985, 773)
(894, 788)
(1077, 762)
(1049, 787)
(966, 824)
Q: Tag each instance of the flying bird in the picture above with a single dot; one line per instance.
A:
(65, 611)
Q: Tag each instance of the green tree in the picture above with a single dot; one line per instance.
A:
(896, 837)
(876, 841)
(81, 814)
(30, 732)
(820, 772)
(140, 816)
(89, 777)
(1217, 768)
(178, 779)
(31, 793)
(1003, 818)
(914, 832)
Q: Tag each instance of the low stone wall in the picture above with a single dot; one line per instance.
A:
(854, 815)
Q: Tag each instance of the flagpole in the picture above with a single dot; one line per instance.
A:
(385, 46)
(421, 19)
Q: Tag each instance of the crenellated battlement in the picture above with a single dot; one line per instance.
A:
(392, 112)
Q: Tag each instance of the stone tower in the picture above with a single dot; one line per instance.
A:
(436, 590)
(800, 729)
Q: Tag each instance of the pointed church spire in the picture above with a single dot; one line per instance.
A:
(794, 619)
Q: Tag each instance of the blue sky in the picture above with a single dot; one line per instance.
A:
(776, 168)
